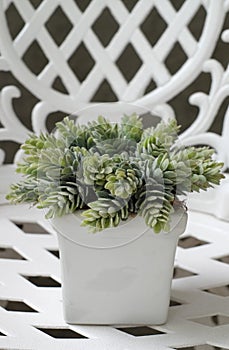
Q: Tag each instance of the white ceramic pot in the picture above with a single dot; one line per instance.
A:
(118, 276)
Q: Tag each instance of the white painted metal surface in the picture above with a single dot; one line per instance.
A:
(200, 314)
(29, 269)
(153, 59)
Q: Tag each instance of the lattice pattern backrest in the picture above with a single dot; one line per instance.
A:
(105, 58)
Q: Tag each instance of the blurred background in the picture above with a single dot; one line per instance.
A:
(81, 62)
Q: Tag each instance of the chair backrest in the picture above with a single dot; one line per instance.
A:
(105, 48)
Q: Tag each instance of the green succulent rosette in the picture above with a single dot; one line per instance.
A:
(111, 171)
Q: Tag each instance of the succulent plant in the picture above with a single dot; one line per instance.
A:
(124, 180)
(105, 213)
(96, 168)
(112, 171)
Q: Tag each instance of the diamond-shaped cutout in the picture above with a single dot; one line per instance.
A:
(223, 291)
(153, 26)
(197, 23)
(180, 273)
(10, 253)
(130, 4)
(174, 303)
(150, 87)
(129, 62)
(200, 347)
(190, 242)
(140, 331)
(61, 333)
(177, 4)
(14, 20)
(223, 259)
(105, 27)
(30, 227)
(176, 58)
(104, 93)
(36, 3)
(56, 253)
(81, 62)
(35, 58)
(82, 4)
(58, 85)
(212, 320)
(42, 281)
(15, 305)
(58, 25)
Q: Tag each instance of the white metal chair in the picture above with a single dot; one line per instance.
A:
(31, 316)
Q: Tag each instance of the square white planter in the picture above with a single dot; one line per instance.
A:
(118, 276)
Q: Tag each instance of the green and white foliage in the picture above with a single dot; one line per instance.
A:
(124, 180)
(105, 213)
(112, 171)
